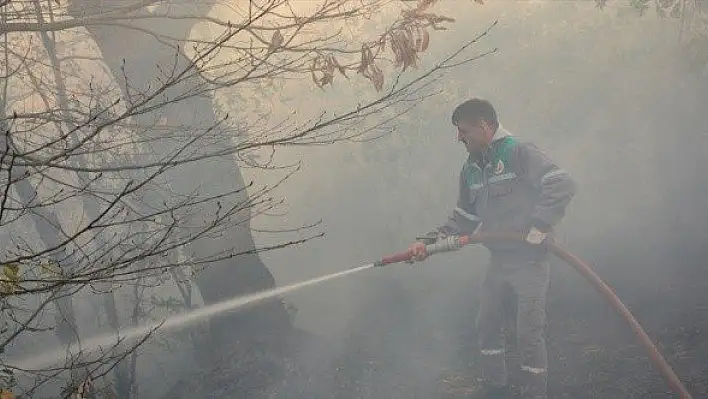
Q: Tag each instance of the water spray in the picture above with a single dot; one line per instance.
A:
(450, 243)
(107, 342)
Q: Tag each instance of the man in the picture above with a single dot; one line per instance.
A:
(507, 186)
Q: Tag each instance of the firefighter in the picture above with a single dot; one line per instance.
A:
(507, 186)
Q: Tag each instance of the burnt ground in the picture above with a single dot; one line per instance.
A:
(592, 352)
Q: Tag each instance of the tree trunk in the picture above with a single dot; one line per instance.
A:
(139, 57)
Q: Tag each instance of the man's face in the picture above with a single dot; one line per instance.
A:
(476, 136)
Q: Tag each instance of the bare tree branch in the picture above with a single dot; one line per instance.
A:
(96, 155)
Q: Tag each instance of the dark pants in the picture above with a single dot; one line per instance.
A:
(529, 281)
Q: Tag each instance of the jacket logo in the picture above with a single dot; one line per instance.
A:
(499, 168)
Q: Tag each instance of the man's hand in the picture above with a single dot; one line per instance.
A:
(418, 252)
(536, 236)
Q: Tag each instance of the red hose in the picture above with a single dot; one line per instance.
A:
(584, 269)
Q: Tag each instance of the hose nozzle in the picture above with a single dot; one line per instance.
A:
(446, 244)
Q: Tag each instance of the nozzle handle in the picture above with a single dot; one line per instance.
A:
(449, 243)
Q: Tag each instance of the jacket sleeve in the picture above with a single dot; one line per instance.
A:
(555, 185)
(463, 219)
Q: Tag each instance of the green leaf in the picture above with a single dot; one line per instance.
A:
(50, 269)
(9, 278)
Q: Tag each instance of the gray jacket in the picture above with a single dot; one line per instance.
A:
(510, 187)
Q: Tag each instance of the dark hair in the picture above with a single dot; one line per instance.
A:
(474, 110)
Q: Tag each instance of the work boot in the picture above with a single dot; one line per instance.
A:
(487, 391)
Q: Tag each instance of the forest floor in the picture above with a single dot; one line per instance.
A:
(591, 354)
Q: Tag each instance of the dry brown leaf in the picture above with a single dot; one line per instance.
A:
(423, 4)
(423, 16)
(5, 394)
(378, 78)
(426, 40)
(406, 51)
(408, 33)
(326, 79)
(313, 69)
(326, 65)
(339, 67)
(370, 54)
(330, 67)
(396, 48)
(441, 18)
(419, 38)
(364, 59)
(276, 41)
